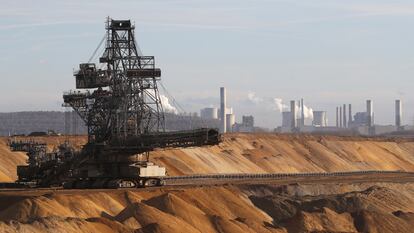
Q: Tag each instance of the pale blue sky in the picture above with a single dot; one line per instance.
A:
(329, 52)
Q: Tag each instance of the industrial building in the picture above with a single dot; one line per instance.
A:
(361, 123)
(231, 120)
(224, 114)
(320, 119)
(248, 121)
(209, 113)
(286, 119)
(247, 125)
(360, 119)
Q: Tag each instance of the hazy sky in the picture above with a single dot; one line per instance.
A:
(329, 52)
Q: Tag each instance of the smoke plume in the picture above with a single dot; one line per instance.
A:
(252, 97)
(308, 112)
(166, 104)
(168, 107)
(277, 104)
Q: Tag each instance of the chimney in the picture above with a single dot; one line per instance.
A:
(398, 113)
(344, 112)
(340, 118)
(293, 115)
(223, 109)
(302, 113)
(370, 113)
(349, 115)
(337, 117)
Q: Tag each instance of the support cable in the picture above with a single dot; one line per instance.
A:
(97, 48)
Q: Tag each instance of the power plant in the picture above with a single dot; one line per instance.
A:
(361, 123)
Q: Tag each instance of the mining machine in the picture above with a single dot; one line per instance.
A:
(44, 167)
(121, 106)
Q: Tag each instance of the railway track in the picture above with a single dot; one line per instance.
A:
(174, 182)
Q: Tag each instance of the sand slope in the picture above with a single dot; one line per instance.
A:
(261, 153)
(192, 210)
(9, 161)
(244, 208)
(271, 153)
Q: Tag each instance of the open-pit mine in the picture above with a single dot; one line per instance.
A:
(347, 202)
(131, 174)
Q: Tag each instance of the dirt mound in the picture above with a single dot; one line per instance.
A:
(207, 209)
(32, 208)
(174, 205)
(244, 208)
(325, 220)
(272, 153)
(375, 209)
(369, 221)
(145, 215)
(9, 162)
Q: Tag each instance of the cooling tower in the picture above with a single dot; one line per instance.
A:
(231, 120)
(319, 119)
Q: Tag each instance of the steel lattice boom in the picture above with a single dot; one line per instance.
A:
(125, 100)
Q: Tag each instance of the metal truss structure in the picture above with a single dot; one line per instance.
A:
(123, 99)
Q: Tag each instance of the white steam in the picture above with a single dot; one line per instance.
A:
(168, 107)
(277, 104)
(308, 112)
(252, 97)
(166, 104)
